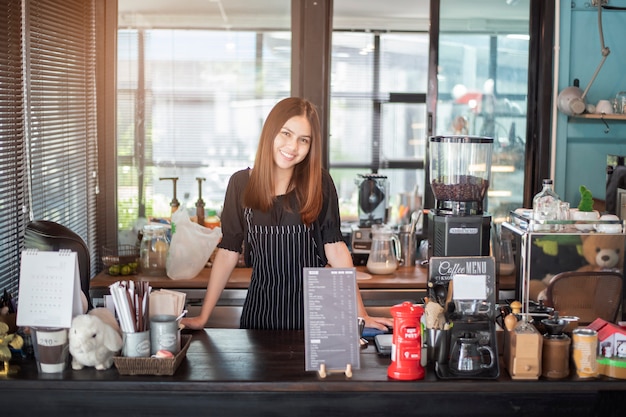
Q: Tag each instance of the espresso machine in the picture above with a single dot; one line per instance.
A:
(372, 206)
(460, 171)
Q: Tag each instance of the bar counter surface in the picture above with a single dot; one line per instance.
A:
(404, 277)
(234, 372)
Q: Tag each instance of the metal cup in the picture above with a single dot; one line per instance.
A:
(408, 249)
(136, 345)
(432, 344)
(164, 334)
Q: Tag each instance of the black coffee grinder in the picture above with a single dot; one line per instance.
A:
(460, 170)
(372, 205)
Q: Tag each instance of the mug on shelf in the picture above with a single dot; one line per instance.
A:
(604, 106)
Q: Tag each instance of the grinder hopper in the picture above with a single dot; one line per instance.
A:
(373, 191)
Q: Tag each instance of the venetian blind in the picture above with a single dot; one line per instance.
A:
(61, 101)
(12, 173)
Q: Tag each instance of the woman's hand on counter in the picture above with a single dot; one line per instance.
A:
(193, 323)
(380, 323)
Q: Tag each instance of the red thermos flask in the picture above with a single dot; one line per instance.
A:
(406, 349)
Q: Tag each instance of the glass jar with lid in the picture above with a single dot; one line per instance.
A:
(153, 250)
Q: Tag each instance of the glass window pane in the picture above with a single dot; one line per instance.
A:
(351, 131)
(403, 131)
(191, 103)
(404, 62)
(483, 83)
(378, 112)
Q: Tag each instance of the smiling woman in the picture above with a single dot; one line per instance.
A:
(284, 213)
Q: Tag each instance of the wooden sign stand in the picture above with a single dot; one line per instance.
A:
(322, 372)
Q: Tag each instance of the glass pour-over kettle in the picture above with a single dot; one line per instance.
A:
(385, 253)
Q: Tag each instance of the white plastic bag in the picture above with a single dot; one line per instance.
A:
(191, 246)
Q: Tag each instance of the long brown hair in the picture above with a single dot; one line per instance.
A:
(306, 180)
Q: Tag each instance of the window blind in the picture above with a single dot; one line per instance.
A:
(62, 114)
(12, 172)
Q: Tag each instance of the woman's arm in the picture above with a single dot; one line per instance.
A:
(339, 256)
(223, 265)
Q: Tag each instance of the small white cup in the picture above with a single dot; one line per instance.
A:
(604, 106)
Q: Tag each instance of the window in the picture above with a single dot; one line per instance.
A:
(483, 88)
(378, 113)
(48, 153)
(195, 86)
(191, 104)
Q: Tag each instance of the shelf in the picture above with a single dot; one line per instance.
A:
(601, 116)
(605, 118)
(522, 220)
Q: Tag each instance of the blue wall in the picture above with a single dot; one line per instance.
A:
(582, 145)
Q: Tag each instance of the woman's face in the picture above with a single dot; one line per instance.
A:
(293, 142)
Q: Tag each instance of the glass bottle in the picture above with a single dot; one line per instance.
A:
(546, 206)
(212, 220)
(153, 250)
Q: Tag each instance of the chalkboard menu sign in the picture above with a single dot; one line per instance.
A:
(331, 322)
(474, 277)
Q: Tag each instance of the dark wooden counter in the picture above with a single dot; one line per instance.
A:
(233, 372)
(403, 278)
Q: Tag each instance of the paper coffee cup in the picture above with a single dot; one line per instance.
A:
(51, 349)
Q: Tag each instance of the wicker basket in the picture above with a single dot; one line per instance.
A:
(152, 366)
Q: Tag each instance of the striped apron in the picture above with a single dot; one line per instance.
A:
(278, 253)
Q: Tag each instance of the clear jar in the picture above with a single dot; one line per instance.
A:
(546, 206)
(153, 250)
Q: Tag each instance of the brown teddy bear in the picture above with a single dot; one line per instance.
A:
(602, 251)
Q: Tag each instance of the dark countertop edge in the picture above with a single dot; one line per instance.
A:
(354, 386)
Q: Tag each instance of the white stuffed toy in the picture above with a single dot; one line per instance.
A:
(94, 339)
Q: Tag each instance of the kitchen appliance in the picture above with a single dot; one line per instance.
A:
(556, 346)
(372, 207)
(471, 343)
(406, 351)
(615, 202)
(523, 348)
(460, 171)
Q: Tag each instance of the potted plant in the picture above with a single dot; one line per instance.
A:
(585, 209)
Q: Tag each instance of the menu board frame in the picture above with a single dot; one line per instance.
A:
(443, 269)
(332, 339)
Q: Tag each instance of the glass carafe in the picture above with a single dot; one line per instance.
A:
(385, 253)
(468, 356)
(153, 250)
